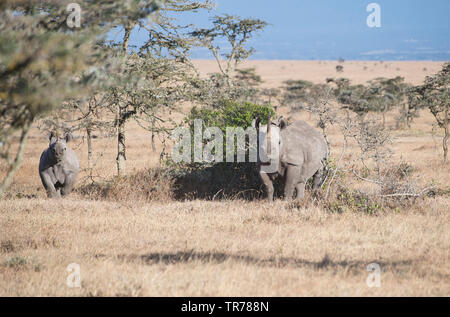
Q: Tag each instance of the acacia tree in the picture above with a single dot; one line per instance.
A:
(296, 93)
(268, 95)
(248, 76)
(395, 94)
(237, 31)
(146, 88)
(39, 61)
(360, 99)
(387, 93)
(166, 38)
(435, 94)
(82, 115)
(87, 113)
(43, 57)
(411, 110)
(319, 102)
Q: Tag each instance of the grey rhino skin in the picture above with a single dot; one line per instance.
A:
(58, 167)
(302, 153)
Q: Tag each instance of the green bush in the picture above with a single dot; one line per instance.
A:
(231, 114)
(221, 180)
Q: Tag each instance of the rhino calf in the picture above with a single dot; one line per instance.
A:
(58, 167)
(297, 152)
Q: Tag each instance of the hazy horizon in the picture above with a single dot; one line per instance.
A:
(410, 30)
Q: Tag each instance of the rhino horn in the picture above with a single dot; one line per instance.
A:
(68, 137)
(269, 134)
(256, 123)
(282, 123)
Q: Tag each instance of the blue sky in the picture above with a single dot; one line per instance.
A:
(330, 29)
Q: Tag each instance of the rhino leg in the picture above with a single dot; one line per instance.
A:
(68, 185)
(300, 190)
(49, 186)
(292, 182)
(66, 189)
(317, 179)
(269, 185)
(53, 194)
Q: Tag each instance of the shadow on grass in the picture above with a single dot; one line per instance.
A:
(222, 181)
(217, 182)
(278, 262)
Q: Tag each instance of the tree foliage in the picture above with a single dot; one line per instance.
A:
(231, 114)
(41, 65)
(296, 93)
(237, 31)
(435, 94)
(379, 95)
(152, 74)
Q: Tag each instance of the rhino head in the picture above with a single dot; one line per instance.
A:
(58, 147)
(269, 143)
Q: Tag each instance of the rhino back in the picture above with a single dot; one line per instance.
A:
(302, 144)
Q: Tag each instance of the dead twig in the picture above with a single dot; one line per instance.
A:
(426, 190)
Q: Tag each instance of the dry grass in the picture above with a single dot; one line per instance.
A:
(128, 246)
(144, 186)
(228, 248)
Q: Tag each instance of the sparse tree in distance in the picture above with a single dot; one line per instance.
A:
(229, 84)
(356, 98)
(268, 95)
(296, 93)
(386, 94)
(237, 31)
(435, 94)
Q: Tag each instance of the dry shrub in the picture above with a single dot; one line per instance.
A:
(394, 190)
(18, 263)
(311, 200)
(348, 200)
(220, 181)
(146, 185)
(439, 192)
(7, 246)
(242, 181)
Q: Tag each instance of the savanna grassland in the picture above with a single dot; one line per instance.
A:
(231, 247)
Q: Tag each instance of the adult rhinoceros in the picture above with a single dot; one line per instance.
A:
(297, 153)
(58, 167)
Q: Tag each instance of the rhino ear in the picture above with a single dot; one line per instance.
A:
(52, 138)
(282, 123)
(69, 137)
